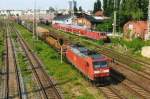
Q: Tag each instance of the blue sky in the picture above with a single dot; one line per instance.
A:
(43, 4)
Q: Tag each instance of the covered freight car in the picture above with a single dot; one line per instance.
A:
(55, 43)
(42, 32)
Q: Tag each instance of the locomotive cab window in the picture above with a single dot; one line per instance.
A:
(100, 64)
(103, 34)
(87, 64)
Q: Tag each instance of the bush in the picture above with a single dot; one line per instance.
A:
(136, 66)
(101, 42)
(105, 26)
(135, 44)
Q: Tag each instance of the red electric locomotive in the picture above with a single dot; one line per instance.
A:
(78, 30)
(91, 64)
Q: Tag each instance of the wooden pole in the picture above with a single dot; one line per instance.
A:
(61, 54)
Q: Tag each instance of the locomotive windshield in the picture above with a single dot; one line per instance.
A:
(100, 64)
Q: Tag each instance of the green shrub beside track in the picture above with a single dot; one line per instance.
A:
(1, 42)
(1, 47)
(135, 44)
(2, 30)
(69, 79)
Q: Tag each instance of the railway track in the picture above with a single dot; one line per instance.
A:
(13, 88)
(111, 93)
(131, 86)
(47, 87)
(118, 84)
(125, 59)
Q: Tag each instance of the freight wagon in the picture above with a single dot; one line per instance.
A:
(55, 43)
(95, 35)
(42, 32)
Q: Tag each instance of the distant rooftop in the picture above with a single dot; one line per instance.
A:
(62, 17)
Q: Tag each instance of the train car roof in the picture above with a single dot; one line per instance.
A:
(77, 27)
(42, 30)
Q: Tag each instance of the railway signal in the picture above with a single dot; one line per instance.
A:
(61, 42)
(35, 21)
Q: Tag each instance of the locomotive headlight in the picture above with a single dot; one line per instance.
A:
(106, 71)
(101, 71)
(96, 72)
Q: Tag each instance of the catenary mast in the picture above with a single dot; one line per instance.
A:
(147, 36)
(34, 19)
(114, 21)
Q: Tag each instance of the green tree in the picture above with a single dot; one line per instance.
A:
(50, 9)
(105, 26)
(108, 6)
(105, 6)
(80, 9)
(143, 5)
(97, 6)
(131, 10)
(126, 10)
(75, 9)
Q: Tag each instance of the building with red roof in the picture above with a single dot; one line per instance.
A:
(99, 13)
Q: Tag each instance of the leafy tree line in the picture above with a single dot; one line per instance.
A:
(76, 9)
(97, 6)
(127, 9)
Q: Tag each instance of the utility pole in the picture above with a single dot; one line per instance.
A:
(114, 21)
(147, 36)
(34, 20)
(36, 23)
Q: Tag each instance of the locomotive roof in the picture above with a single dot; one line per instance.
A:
(77, 27)
(83, 51)
(95, 55)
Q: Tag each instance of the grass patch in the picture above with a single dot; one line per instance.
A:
(136, 66)
(69, 79)
(2, 30)
(135, 44)
(1, 43)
